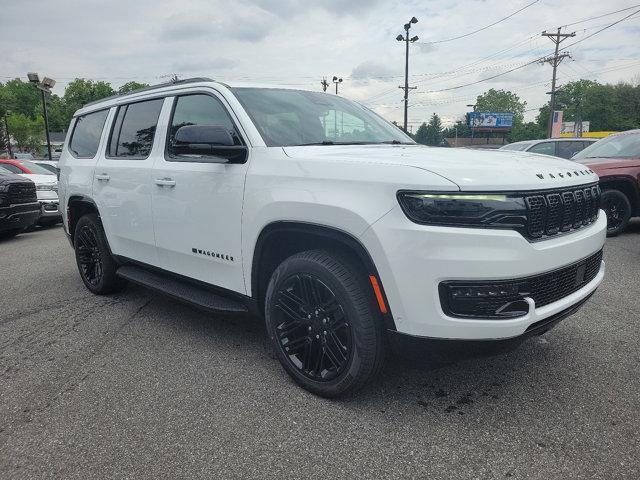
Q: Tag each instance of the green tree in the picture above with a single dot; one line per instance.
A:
(459, 129)
(526, 131)
(22, 97)
(130, 87)
(434, 131)
(81, 91)
(606, 106)
(501, 101)
(27, 132)
(422, 135)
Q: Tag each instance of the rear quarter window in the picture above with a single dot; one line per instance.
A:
(87, 131)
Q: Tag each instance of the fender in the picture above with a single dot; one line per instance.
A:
(629, 182)
(319, 234)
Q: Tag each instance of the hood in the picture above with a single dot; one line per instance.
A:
(599, 164)
(8, 177)
(471, 170)
(40, 179)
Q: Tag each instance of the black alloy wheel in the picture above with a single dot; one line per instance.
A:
(96, 265)
(89, 257)
(312, 327)
(323, 322)
(618, 209)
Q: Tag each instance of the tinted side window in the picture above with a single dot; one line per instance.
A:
(547, 148)
(11, 168)
(199, 109)
(134, 129)
(568, 149)
(86, 134)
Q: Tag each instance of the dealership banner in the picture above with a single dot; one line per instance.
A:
(572, 127)
(490, 121)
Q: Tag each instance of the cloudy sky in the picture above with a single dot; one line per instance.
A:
(296, 43)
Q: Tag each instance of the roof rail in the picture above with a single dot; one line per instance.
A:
(151, 87)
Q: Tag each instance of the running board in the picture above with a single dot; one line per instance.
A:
(181, 290)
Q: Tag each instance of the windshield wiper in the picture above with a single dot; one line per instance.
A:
(330, 142)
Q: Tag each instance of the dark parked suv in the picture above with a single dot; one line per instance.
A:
(19, 206)
(616, 160)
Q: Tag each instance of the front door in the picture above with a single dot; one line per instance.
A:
(197, 204)
(122, 181)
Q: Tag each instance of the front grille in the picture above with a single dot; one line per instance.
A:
(556, 211)
(551, 287)
(505, 298)
(22, 193)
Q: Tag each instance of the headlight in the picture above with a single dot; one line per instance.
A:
(465, 209)
(47, 187)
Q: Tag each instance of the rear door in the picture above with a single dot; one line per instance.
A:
(122, 181)
(79, 156)
(197, 204)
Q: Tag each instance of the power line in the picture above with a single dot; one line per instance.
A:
(601, 16)
(602, 29)
(483, 28)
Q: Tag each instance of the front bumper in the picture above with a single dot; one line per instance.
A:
(50, 209)
(413, 260)
(19, 216)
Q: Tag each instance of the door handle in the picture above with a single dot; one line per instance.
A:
(165, 182)
(103, 176)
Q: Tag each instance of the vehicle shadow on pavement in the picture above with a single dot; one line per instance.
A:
(447, 382)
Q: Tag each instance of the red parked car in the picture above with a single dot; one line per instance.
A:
(616, 160)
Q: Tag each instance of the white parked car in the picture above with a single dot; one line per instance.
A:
(311, 210)
(556, 147)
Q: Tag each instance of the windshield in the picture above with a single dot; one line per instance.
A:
(516, 146)
(35, 168)
(616, 146)
(296, 117)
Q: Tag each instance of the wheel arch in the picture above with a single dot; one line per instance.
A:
(281, 239)
(77, 206)
(626, 185)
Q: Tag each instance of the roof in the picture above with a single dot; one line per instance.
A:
(168, 87)
(151, 88)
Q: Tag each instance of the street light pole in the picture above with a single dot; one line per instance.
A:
(45, 87)
(46, 122)
(406, 88)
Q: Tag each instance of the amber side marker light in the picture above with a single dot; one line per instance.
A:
(378, 293)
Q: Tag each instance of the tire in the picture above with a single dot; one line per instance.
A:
(96, 265)
(321, 322)
(618, 209)
(7, 234)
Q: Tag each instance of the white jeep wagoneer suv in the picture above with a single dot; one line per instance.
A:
(313, 211)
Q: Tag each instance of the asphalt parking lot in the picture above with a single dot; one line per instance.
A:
(139, 386)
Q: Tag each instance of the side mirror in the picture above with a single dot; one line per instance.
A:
(207, 143)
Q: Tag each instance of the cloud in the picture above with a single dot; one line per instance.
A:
(202, 64)
(290, 8)
(372, 70)
(251, 26)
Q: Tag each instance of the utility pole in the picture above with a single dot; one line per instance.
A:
(556, 38)
(324, 84)
(337, 81)
(406, 87)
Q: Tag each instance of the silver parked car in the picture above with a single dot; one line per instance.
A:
(556, 147)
